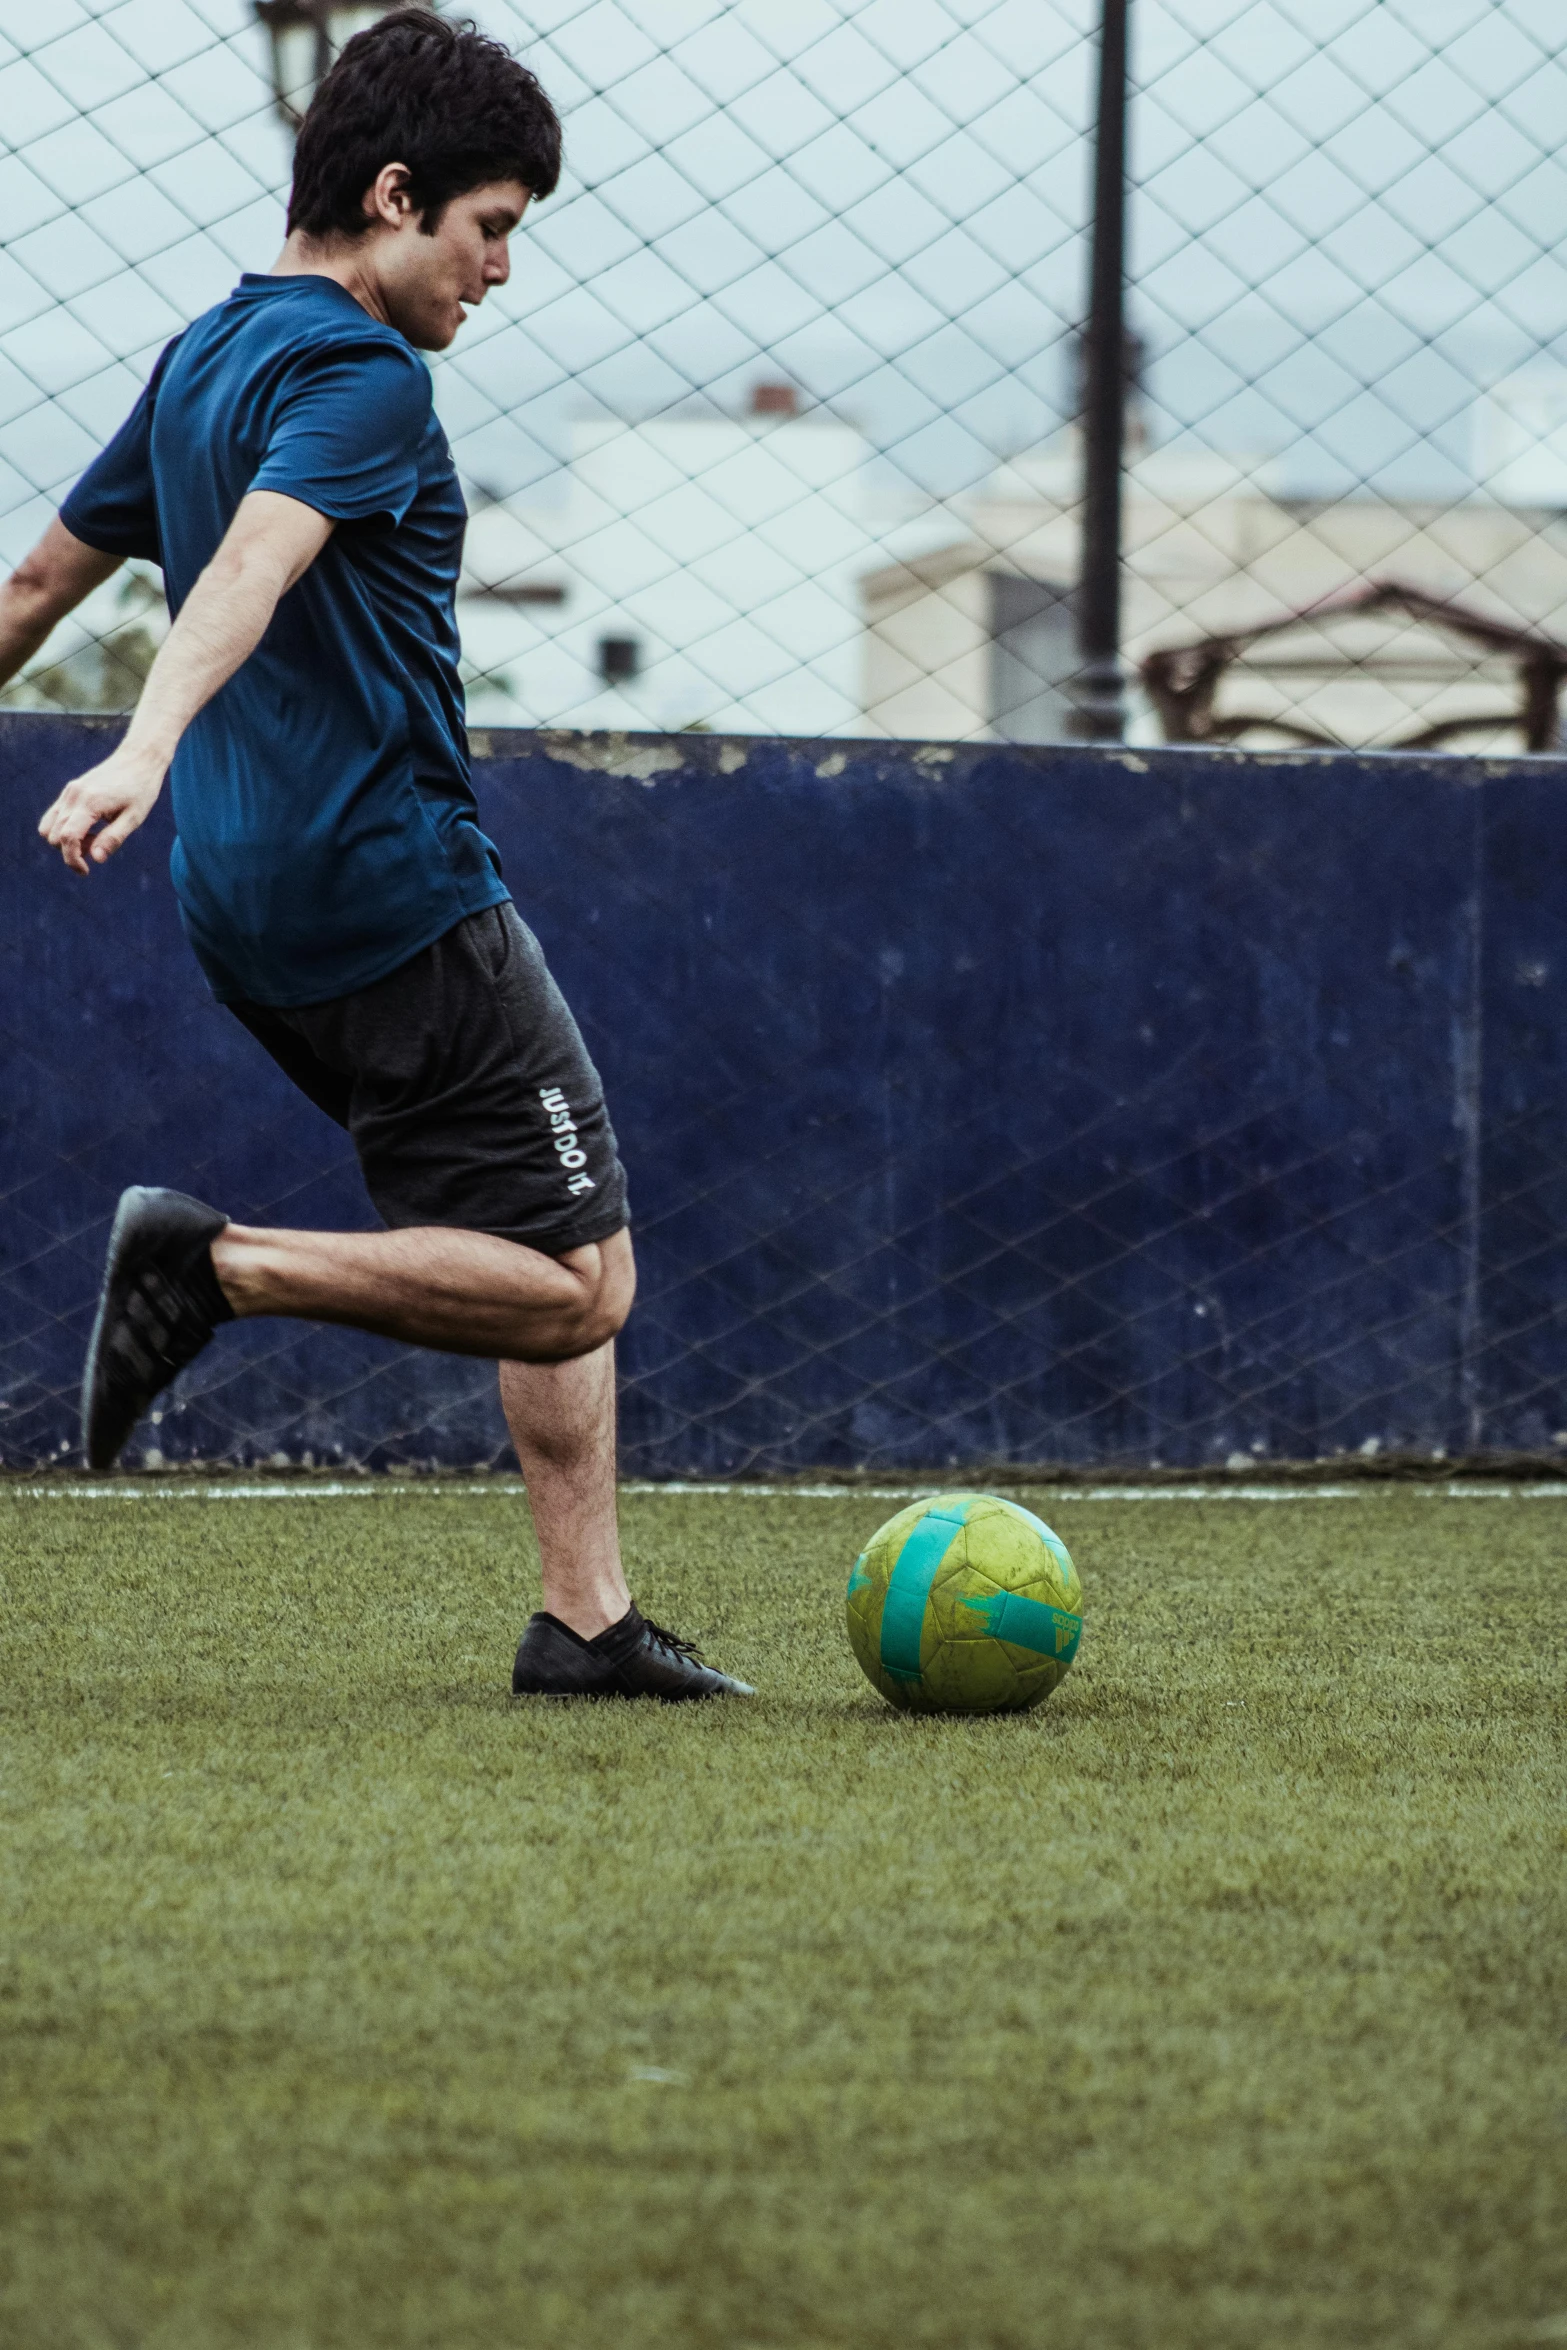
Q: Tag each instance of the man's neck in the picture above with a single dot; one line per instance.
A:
(347, 265)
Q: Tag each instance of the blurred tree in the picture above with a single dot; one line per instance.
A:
(108, 674)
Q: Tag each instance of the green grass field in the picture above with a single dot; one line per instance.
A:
(1218, 2006)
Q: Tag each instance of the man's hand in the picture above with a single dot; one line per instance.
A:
(119, 795)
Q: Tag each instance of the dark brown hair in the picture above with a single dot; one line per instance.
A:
(453, 105)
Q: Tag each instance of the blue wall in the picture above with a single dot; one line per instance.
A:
(981, 1104)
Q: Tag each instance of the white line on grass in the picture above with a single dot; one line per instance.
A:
(501, 1489)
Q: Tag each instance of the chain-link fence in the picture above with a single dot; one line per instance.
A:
(774, 428)
(982, 1106)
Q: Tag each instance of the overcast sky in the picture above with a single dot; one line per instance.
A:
(1349, 214)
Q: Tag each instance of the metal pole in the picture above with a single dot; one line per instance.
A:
(1101, 710)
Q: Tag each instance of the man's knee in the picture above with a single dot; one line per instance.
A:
(606, 1298)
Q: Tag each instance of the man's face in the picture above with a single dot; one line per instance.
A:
(427, 283)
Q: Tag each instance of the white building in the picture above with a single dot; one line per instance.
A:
(691, 571)
(973, 636)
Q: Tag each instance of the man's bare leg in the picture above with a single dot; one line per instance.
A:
(562, 1422)
(470, 1294)
(463, 1292)
(175, 1270)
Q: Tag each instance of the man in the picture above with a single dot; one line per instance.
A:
(286, 469)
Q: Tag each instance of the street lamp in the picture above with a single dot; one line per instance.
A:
(306, 37)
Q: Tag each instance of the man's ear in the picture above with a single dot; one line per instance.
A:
(387, 199)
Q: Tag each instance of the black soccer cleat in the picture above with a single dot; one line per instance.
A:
(160, 1304)
(631, 1659)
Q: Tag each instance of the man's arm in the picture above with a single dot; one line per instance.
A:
(45, 585)
(271, 542)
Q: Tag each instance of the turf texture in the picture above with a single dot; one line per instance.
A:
(1219, 2004)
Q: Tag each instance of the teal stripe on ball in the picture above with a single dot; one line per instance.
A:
(1029, 1623)
(908, 1590)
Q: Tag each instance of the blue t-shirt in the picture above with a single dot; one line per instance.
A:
(325, 820)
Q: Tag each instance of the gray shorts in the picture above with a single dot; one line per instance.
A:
(466, 1086)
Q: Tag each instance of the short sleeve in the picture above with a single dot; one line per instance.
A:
(347, 432)
(113, 507)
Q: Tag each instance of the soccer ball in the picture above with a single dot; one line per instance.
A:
(965, 1604)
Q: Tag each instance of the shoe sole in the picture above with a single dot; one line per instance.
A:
(101, 1454)
(621, 1697)
(632, 1696)
(123, 1263)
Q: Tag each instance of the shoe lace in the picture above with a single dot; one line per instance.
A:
(673, 1642)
